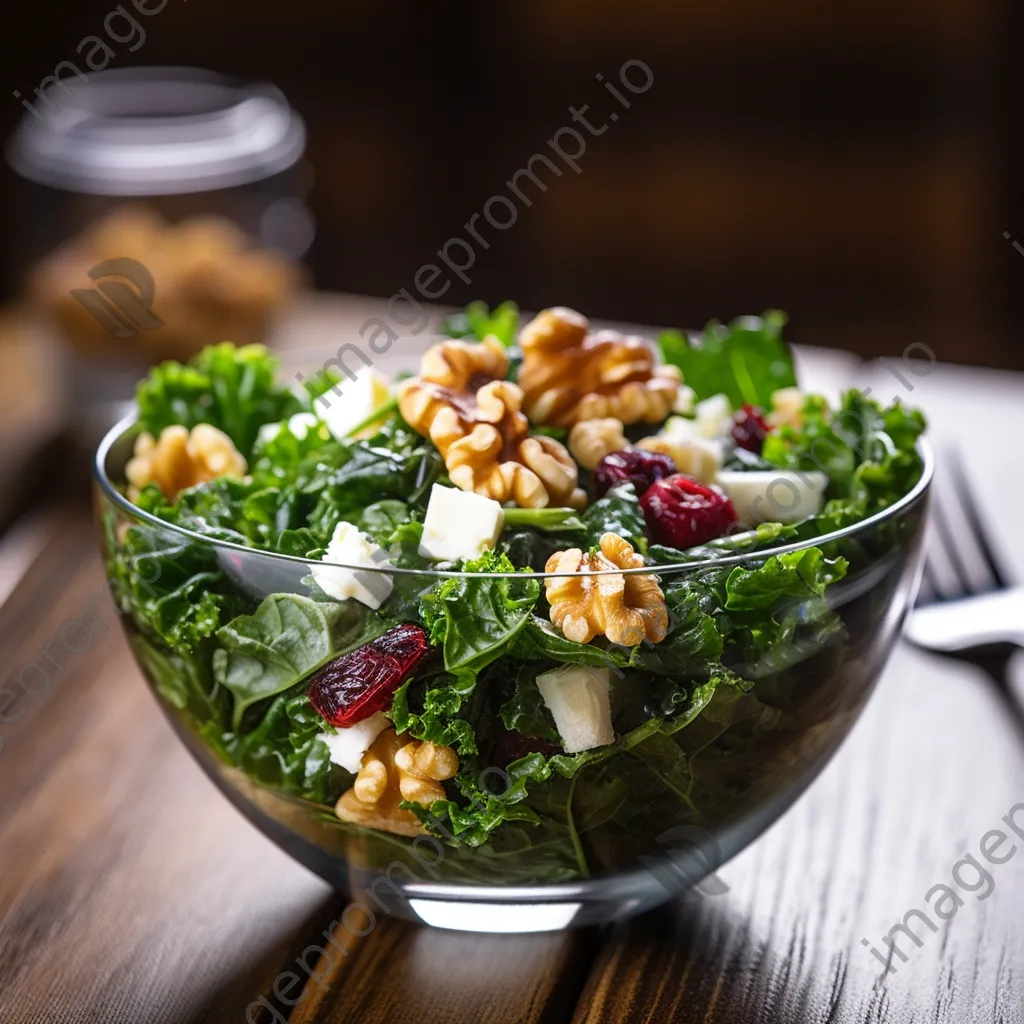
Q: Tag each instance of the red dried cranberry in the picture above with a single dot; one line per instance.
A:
(682, 513)
(639, 467)
(749, 429)
(362, 682)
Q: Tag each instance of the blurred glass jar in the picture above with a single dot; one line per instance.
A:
(163, 209)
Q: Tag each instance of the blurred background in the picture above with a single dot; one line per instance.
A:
(857, 165)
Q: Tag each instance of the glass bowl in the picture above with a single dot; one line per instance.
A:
(647, 819)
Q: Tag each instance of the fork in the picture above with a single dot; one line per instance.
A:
(968, 607)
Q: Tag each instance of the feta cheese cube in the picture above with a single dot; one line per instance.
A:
(695, 455)
(773, 495)
(352, 401)
(460, 524)
(348, 744)
(578, 698)
(348, 556)
(714, 416)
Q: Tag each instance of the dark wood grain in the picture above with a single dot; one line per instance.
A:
(931, 768)
(130, 891)
(403, 974)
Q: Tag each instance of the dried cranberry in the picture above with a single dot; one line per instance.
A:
(749, 429)
(683, 513)
(639, 467)
(360, 683)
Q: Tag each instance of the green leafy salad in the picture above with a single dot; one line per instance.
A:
(412, 667)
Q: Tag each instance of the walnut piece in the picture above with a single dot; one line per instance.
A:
(591, 440)
(181, 459)
(625, 608)
(474, 419)
(569, 375)
(464, 365)
(394, 769)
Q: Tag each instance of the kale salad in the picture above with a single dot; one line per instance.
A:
(556, 591)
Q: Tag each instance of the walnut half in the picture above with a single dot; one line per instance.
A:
(182, 458)
(474, 419)
(394, 769)
(569, 374)
(627, 609)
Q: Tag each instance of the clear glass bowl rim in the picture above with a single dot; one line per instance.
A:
(123, 426)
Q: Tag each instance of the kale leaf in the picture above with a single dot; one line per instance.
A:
(437, 717)
(869, 453)
(234, 388)
(618, 512)
(286, 751)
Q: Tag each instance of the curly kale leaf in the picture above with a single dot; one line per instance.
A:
(234, 388)
(286, 751)
(173, 587)
(868, 453)
(439, 703)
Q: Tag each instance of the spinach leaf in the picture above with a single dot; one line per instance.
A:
(287, 638)
(746, 359)
(475, 617)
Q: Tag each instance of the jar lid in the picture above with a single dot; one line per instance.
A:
(155, 131)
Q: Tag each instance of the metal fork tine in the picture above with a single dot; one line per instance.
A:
(974, 519)
(948, 542)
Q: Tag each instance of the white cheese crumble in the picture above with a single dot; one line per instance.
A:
(352, 402)
(348, 557)
(348, 744)
(773, 495)
(714, 416)
(460, 524)
(578, 698)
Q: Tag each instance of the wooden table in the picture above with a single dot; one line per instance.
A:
(132, 893)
